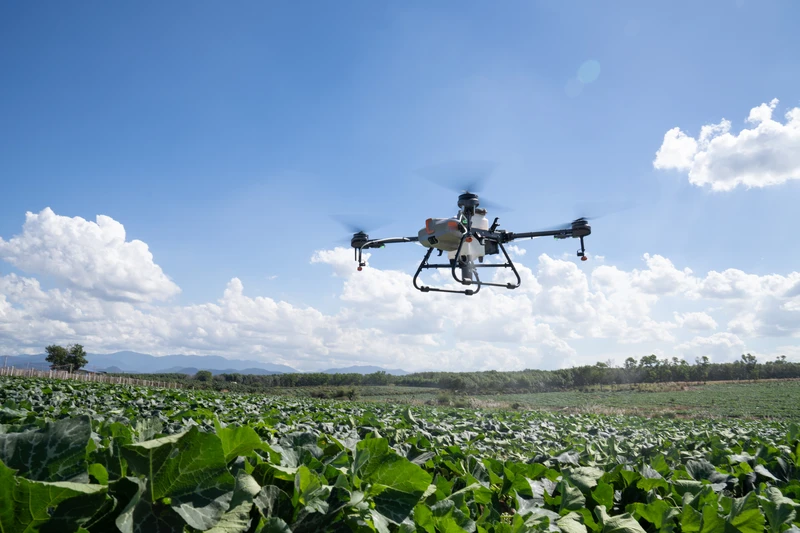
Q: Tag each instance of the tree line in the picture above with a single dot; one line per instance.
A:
(648, 369)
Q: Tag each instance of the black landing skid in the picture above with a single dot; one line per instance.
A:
(469, 272)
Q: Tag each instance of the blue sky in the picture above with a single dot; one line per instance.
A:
(223, 135)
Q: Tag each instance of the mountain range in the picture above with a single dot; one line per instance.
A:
(141, 363)
(365, 370)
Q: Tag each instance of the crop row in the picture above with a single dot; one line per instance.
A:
(90, 457)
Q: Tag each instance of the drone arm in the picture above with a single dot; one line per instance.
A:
(559, 233)
(577, 232)
(377, 243)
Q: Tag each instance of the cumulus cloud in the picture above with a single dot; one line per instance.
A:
(383, 320)
(695, 321)
(719, 347)
(91, 256)
(766, 154)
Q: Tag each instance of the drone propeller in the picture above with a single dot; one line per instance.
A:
(594, 211)
(360, 223)
(460, 176)
(463, 177)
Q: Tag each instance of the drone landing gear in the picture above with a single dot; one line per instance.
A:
(425, 265)
(469, 273)
(357, 257)
(582, 252)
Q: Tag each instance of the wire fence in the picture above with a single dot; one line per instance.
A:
(32, 372)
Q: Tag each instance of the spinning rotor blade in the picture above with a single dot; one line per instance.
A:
(360, 223)
(493, 207)
(464, 176)
(594, 210)
(459, 176)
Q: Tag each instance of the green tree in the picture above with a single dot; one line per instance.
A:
(57, 357)
(751, 365)
(71, 358)
(702, 367)
(649, 361)
(204, 375)
(77, 357)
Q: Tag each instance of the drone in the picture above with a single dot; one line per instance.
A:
(468, 238)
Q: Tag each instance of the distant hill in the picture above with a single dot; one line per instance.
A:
(193, 370)
(365, 370)
(140, 363)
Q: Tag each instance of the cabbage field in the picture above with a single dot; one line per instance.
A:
(80, 457)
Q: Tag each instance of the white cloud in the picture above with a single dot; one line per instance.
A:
(91, 256)
(515, 251)
(677, 151)
(383, 320)
(766, 154)
(661, 277)
(792, 353)
(696, 321)
(719, 347)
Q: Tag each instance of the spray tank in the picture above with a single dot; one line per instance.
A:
(442, 234)
(472, 248)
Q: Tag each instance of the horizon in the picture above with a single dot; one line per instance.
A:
(174, 194)
(600, 364)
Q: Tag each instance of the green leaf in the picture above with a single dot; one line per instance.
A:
(584, 477)
(379, 521)
(656, 512)
(237, 441)
(189, 469)
(55, 453)
(272, 501)
(449, 519)
(274, 525)
(423, 517)
(686, 486)
(571, 523)
(778, 509)
(794, 433)
(761, 470)
(659, 464)
(26, 503)
(603, 494)
(124, 494)
(396, 484)
(572, 498)
(691, 520)
(623, 523)
(745, 516)
(712, 522)
(98, 472)
(110, 457)
(309, 492)
(237, 519)
(540, 520)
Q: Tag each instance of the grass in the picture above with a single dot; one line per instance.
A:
(761, 399)
(769, 399)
